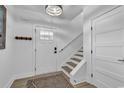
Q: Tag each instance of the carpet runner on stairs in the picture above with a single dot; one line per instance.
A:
(73, 61)
(79, 55)
(67, 69)
(76, 59)
(72, 64)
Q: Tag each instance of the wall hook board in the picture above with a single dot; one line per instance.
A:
(23, 38)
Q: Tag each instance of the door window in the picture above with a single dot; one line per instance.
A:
(46, 35)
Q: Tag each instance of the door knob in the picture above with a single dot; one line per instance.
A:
(55, 48)
(122, 60)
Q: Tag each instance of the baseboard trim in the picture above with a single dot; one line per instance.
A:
(8, 85)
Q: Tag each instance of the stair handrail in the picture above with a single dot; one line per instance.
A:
(70, 42)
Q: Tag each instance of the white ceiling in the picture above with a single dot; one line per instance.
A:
(70, 22)
(27, 11)
(92, 11)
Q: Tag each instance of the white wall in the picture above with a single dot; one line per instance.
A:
(23, 50)
(7, 55)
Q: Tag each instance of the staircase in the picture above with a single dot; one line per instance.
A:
(71, 64)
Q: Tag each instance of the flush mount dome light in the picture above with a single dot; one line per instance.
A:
(54, 10)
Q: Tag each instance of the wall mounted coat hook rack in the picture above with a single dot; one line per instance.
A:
(23, 38)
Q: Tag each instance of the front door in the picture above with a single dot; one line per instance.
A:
(46, 50)
(108, 49)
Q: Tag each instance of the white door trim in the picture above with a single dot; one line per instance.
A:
(35, 26)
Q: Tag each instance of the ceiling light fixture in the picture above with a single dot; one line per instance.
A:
(54, 10)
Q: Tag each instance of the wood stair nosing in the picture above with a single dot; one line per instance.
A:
(67, 69)
(76, 59)
(72, 64)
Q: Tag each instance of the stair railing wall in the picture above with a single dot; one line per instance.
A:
(71, 42)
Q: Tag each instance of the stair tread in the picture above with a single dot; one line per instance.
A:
(72, 64)
(79, 55)
(76, 59)
(80, 51)
(67, 69)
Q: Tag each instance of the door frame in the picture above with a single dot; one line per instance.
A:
(92, 39)
(34, 45)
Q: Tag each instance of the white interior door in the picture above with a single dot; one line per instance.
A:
(45, 48)
(108, 49)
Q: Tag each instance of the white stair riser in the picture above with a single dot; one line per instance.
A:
(79, 53)
(73, 61)
(69, 66)
(78, 57)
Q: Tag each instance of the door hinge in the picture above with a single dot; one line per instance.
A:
(91, 75)
(35, 50)
(91, 51)
(35, 69)
(91, 28)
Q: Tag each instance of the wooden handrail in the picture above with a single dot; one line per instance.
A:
(70, 42)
